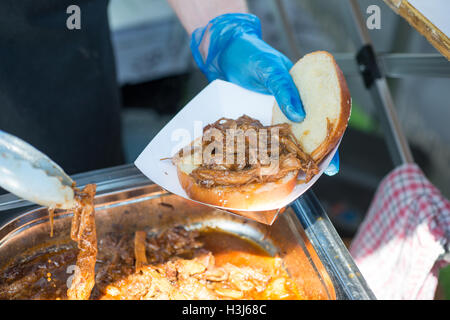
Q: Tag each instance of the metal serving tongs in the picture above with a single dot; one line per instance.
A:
(31, 175)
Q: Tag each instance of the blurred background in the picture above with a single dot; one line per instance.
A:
(157, 76)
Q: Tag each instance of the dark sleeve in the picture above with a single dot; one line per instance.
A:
(58, 86)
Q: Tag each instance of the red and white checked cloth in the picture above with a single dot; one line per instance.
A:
(406, 230)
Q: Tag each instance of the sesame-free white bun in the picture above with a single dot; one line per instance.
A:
(326, 100)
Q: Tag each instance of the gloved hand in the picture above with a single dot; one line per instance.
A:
(230, 48)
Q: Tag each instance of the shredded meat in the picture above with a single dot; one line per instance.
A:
(182, 269)
(139, 249)
(84, 233)
(250, 164)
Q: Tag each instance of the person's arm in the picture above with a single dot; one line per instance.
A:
(194, 14)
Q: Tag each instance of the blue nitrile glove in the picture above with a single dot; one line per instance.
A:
(333, 167)
(230, 48)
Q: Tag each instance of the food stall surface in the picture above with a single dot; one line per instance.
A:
(314, 262)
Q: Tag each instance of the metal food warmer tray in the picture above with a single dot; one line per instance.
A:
(303, 236)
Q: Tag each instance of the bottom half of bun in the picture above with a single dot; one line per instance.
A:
(246, 196)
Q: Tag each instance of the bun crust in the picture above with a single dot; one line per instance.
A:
(242, 197)
(339, 128)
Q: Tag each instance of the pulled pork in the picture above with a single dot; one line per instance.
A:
(178, 267)
(84, 233)
(258, 153)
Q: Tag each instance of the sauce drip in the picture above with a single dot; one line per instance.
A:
(84, 233)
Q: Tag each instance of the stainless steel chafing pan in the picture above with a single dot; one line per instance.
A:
(126, 201)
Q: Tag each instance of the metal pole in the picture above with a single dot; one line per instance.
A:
(293, 46)
(395, 139)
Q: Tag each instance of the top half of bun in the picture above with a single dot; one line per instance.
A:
(326, 100)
